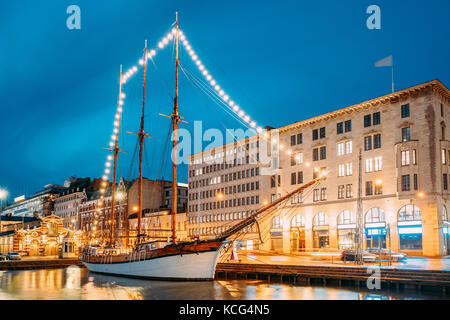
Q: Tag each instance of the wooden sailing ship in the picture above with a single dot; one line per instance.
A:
(193, 260)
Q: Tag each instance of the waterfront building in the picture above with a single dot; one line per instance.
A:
(156, 207)
(157, 196)
(405, 149)
(39, 205)
(226, 185)
(66, 204)
(158, 226)
(44, 236)
(95, 214)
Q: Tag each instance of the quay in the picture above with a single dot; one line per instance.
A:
(39, 264)
(390, 278)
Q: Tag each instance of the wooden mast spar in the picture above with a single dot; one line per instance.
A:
(116, 153)
(175, 120)
(142, 135)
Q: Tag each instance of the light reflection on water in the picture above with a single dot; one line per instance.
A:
(75, 284)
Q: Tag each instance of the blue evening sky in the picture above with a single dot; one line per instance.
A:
(281, 61)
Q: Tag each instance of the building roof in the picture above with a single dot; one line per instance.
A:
(437, 85)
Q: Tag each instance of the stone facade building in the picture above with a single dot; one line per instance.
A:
(46, 238)
(405, 164)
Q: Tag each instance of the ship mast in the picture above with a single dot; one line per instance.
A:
(116, 153)
(175, 120)
(142, 135)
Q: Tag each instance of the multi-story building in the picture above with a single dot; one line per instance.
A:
(67, 203)
(405, 164)
(158, 226)
(157, 196)
(95, 214)
(39, 205)
(226, 186)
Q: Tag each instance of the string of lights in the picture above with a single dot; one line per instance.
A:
(213, 83)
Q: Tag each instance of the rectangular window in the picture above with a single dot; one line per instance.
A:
(406, 134)
(442, 110)
(348, 191)
(368, 143)
(299, 138)
(322, 133)
(414, 156)
(445, 181)
(367, 121)
(341, 170)
(316, 195)
(299, 158)
(369, 165)
(406, 184)
(378, 161)
(444, 156)
(300, 177)
(272, 181)
(341, 148)
(341, 192)
(405, 111)
(377, 141)
(405, 158)
(340, 128)
(293, 159)
(376, 118)
(349, 168)
(293, 140)
(378, 188)
(369, 188)
(315, 134)
(293, 178)
(323, 153)
(348, 125)
(315, 154)
(348, 147)
(323, 194)
(416, 184)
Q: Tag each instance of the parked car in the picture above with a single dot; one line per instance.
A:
(13, 256)
(386, 254)
(351, 255)
(2, 257)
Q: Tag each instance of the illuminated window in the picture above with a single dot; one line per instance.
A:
(298, 221)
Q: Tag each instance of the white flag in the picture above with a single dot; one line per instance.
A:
(386, 62)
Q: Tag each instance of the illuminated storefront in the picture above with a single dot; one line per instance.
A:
(410, 228)
(346, 226)
(321, 231)
(297, 233)
(276, 234)
(375, 228)
(446, 230)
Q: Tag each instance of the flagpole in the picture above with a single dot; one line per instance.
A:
(393, 77)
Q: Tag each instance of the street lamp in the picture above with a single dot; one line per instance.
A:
(219, 196)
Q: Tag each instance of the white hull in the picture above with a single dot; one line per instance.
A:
(201, 266)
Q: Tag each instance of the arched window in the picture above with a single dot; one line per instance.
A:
(375, 215)
(298, 221)
(444, 213)
(276, 222)
(346, 217)
(410, 212)
(320, 219)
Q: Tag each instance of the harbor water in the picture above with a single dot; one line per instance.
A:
(75, 283)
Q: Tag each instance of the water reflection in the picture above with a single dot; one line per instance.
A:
(74, 284)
